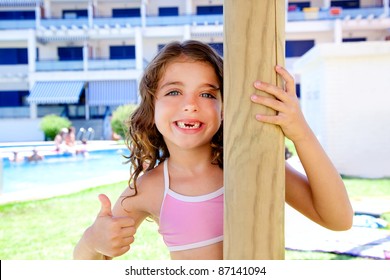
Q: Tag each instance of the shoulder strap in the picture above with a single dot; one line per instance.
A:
(166, 177)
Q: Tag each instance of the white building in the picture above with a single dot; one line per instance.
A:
(345, 98)
(81, 59)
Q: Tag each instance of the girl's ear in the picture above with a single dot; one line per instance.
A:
(222, 115)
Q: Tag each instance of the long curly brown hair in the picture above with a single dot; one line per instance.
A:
(145, 142)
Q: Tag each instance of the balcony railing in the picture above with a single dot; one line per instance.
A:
(14, 112)
(17, 24)
(79, 22)
(321, 14)
(331, 14)
(184, 20)
(111, 64)
(131, 21)
(78, 65)
(55, 65)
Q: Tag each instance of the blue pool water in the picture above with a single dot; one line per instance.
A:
(62, 171)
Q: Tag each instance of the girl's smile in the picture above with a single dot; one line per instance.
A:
(189, 124)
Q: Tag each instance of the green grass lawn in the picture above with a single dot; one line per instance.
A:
(49, 229)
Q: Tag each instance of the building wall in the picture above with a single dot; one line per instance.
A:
(351, 98)
(20, 129)
(104, 9)
(152, 8)
(57, 8)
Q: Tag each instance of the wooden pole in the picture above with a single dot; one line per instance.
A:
(254, 152)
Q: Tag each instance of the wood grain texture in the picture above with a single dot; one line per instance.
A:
(253, 152)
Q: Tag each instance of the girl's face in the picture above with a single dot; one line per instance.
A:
(188, 105)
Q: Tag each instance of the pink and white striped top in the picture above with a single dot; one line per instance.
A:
(188, 222)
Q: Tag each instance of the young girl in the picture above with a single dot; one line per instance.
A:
(176, 133)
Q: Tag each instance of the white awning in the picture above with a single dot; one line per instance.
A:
(21, 3)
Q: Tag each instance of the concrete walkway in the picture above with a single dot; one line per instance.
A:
(303, 234)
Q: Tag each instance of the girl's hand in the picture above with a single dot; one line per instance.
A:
(286, 104)
(109, 235)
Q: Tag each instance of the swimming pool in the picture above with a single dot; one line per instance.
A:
(59, 173)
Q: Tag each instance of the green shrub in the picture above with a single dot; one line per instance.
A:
(119, 116)
(51, 125)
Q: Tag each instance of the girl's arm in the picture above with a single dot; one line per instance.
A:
(321, 195)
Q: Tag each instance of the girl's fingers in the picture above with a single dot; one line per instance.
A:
(275, 119)
(128, 231)
(268, 102)
(288, 79)
(271, 89)
(128, 240)
(276, 91)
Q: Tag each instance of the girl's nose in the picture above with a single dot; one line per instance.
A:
(190, 105)
(190, 108)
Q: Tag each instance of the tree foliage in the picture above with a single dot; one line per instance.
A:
(52, 124)
(119, 116)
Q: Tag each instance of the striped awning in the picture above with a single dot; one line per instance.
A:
(20, 3)
(108, 93)
(56, 92)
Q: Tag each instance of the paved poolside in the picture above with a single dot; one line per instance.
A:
(48, 147)
(305, 235)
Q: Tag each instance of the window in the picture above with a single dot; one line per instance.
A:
(298, 90)
(71, 14)
(11, 56)
(354, 40)
(121, 13)
(70, 53)
(299, 5)
(209, 10)
(17, 15)
(168, 11)
(218, 47)
(122, 52)
(298, 48)
(350, 4)
(12, 98)
(159, 47)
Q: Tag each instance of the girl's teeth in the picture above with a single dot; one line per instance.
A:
(188, 125)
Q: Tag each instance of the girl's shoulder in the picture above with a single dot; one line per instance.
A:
(151, 180)
(150, 192)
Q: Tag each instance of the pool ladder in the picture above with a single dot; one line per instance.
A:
(85, 135)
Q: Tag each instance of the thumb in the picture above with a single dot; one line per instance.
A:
(105, 209)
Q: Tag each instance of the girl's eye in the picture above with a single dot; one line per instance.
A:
(173, 93)
(207, 95)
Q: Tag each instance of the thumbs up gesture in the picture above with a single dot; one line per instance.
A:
(109, 235)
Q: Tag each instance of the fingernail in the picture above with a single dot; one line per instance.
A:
(257, 83)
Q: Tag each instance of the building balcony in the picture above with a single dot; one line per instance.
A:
(80, 65)
(17, 24)
(335, 13)
(152, 21)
